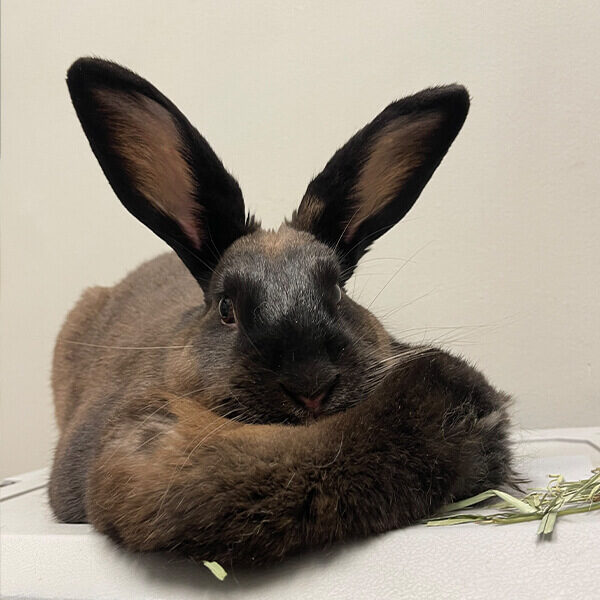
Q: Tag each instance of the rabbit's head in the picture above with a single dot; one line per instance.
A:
(277, 332)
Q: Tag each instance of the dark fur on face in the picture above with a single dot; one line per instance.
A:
(293, 336)
(230, 401)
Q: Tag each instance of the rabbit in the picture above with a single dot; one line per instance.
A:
(229, 401)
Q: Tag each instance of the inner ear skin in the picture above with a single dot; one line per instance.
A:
(146, 137)
(394, 155)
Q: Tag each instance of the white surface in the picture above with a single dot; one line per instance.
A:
(44, 559)
(507, 230)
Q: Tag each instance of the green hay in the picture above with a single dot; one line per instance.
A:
(216, 569)
(559, 498)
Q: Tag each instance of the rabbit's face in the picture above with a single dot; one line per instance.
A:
(295, 346)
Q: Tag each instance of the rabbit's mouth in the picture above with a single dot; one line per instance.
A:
(282, 404)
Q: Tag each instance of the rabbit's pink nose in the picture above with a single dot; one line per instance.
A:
(313, 404)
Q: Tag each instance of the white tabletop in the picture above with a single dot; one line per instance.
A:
(45, 559)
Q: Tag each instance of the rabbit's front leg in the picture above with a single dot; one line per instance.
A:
(434, 430)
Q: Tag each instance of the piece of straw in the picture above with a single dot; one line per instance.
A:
(216, 569)
(559, 498)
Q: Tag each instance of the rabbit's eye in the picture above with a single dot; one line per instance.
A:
(337, 294)
(226, 311)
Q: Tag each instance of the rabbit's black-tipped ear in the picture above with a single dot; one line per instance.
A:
(372, 181)
(160, 167)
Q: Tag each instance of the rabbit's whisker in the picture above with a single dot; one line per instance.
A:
(173, 242)
(210, 388)
(402, 306)
(125, 347)
(398, 271)
(346, 227)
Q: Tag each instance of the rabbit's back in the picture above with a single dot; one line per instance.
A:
(117, 337)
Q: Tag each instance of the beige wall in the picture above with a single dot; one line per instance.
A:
(504, 242)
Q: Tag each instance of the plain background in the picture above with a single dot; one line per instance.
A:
(498, 260)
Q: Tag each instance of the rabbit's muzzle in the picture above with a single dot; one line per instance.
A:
(312, 401)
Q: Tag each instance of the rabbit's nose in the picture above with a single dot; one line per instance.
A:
(313, 403)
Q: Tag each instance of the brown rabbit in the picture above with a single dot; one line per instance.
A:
(229, 400)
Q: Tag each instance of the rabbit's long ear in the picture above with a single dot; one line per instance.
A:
(371, 183)
(160, 167)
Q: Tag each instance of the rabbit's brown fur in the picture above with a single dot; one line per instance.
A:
(293, 422)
